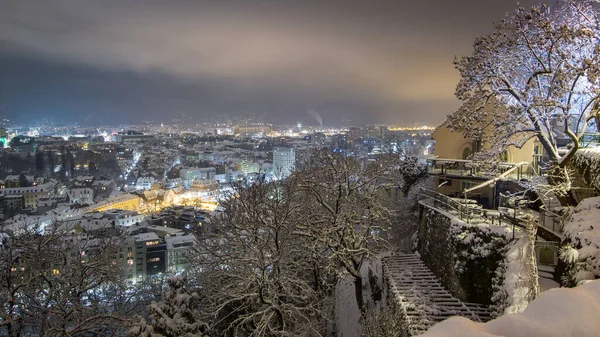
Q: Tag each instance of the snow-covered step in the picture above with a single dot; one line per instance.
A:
(421, 295)
(548, 269)
(544, 274)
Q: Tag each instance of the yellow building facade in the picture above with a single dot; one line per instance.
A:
(456, 173)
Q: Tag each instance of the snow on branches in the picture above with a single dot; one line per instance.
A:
(176, 314)
(535, 75)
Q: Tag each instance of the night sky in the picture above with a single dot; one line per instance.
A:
(126, 61)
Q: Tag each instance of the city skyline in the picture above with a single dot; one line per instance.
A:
(352, 63)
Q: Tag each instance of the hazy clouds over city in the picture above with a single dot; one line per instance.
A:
(368, 61)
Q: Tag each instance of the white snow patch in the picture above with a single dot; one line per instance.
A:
(557, 312)
(347, 315)
(547, 284)
(517, 277)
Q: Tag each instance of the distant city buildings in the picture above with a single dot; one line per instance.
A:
(284, 162)
(151, 185)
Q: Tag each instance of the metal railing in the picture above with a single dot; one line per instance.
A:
(471, 168)
(550, 220)
(546, 251)
(590, 139)
(466, 209)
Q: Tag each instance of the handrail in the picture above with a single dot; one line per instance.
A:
(494, 180)
(464, 211)
(529, 170)
(544, 212)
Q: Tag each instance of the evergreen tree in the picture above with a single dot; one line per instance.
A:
(51, 161)
(39, 162)
(175, 316)
(63, 162)
(71, 163)
(92, 168)
(22, 180)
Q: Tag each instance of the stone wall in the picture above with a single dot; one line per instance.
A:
(586, 173)
(464, 257)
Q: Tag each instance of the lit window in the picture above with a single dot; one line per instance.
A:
(154, 259)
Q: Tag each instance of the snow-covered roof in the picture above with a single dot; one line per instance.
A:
(145, 237)
(180, 240)
(166, 230)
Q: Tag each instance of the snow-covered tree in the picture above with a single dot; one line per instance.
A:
(403, 201)
(411, 172)
(259, 276)
(176, 315)
(535, 76)
(53, 284)
(346, 201)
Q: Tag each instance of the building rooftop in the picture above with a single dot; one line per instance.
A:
(145, 237)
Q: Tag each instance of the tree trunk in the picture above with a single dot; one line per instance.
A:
(556, 178)
(358, 292)
(568, 199)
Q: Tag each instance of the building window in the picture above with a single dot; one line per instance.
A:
(467, 153)
(154, 259)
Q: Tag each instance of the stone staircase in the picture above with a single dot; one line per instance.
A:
(546, 278)
(421, 296)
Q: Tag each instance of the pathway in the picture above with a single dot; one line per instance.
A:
(422, 297)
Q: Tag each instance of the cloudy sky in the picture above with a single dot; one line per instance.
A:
(370, 61)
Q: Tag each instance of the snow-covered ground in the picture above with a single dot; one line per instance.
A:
(347, 315)
(547, 284)
(557, 312)
(517, 279)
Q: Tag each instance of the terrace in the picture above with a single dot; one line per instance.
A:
(513, 213)
(462, 168)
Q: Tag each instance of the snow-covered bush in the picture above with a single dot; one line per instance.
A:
(464, 256)
(582, 254)
(587, 162)
(176, 315)
(479, 252)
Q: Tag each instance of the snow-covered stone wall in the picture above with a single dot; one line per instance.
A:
(464, 257)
